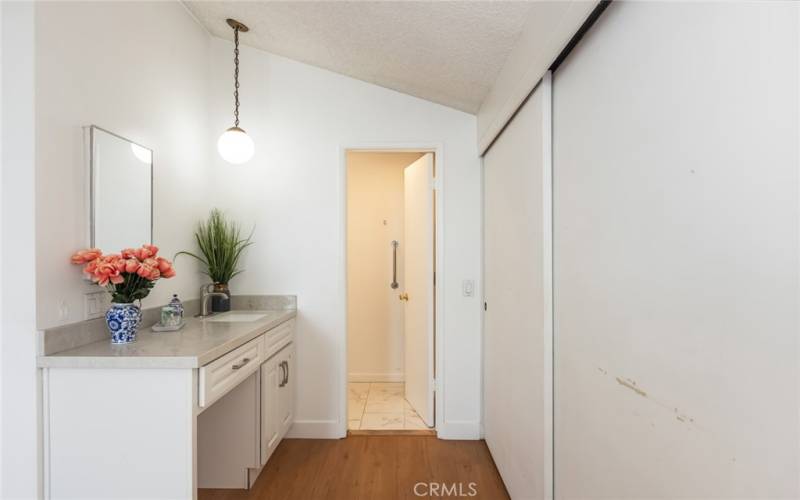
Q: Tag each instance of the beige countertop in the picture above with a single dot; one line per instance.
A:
(195, 345)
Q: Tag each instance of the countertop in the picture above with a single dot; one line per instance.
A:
(195, 345)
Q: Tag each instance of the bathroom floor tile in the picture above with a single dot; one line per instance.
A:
(355, 407)
(358, 390)
(413, 422)
(380, 406)
(382, 421)
(384, 405)
(388, 386)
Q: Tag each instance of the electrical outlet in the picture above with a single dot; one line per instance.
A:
(63, 310)
(95, 304)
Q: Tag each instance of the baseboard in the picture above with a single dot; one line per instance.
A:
(460, 429)
(376, 377)
(315, 429)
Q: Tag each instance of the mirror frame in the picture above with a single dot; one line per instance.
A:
(93, 183)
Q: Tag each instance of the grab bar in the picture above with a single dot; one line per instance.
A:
(394, 284)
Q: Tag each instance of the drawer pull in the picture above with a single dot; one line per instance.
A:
(244, 362)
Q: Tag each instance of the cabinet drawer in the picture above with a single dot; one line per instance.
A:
(225, 373)
(278, 337)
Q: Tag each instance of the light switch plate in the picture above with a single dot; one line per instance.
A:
(96, 304)
(468, 288)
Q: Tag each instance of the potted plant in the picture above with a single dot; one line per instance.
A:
(128, 276)
(221, 246)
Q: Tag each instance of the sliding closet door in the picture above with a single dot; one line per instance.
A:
(516, 220)
(675, 144)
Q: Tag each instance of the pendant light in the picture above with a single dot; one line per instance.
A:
(234, 145)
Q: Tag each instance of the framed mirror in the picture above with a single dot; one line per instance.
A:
(121, 180)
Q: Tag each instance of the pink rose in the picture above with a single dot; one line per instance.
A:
(120, 264)
(165, 267)
(105, 271)
(149, 270)
(87, 255)
(132, 265)
(146, 252)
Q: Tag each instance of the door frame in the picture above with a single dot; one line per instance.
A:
(438, 315)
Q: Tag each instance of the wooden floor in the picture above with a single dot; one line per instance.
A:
(373, 468)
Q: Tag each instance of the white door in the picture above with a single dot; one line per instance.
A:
(419, 251)
(286, 389)
(270, 380)
(516, 330)
(676, 244)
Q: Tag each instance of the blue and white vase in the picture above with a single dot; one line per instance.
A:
(123, 320)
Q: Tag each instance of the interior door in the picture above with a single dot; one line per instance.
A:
(418, 289)
(516, 321)
(676, 249)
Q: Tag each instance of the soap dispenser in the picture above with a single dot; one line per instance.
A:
(177, 305)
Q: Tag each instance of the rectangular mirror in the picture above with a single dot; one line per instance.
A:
(121, 173)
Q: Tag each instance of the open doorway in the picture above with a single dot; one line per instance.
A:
(390, 291)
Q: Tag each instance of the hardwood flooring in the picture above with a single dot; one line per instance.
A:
(374, 468)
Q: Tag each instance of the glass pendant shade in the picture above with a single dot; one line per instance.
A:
(235, 146)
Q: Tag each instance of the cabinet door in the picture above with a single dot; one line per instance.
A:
(271, 376)
(286, 393)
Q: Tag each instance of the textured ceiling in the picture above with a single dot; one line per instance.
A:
(445, 52)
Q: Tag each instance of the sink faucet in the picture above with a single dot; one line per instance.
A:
(204, 296)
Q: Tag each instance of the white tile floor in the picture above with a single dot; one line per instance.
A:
(380, 406)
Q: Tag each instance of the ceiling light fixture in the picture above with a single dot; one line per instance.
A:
(234, 145)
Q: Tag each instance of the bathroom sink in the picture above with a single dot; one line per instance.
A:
(236, 317)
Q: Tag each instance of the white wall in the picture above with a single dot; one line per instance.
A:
(301, 118)
(676, 253)
(18, 376)
(139, 69)
(374, 218)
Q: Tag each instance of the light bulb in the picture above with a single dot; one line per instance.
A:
(235, 146)
(144, 155)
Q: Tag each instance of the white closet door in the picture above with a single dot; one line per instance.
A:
(516, 215)
(675, 145)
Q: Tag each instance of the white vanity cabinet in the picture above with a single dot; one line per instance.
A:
(241, 429)
(205, 407)
(277, 399)
(286, 394)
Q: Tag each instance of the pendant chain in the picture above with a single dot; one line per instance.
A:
(236, 77)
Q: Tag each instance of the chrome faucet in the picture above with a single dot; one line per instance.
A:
(204, 296)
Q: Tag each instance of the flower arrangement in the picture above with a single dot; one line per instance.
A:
(128, 275)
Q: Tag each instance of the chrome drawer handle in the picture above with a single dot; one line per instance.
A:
(244, 362)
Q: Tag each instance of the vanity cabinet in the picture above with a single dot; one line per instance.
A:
(252, 410)
(277, 399)
(204, 407)
(286, 394)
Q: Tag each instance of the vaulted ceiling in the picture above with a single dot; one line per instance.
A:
(447, 52)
